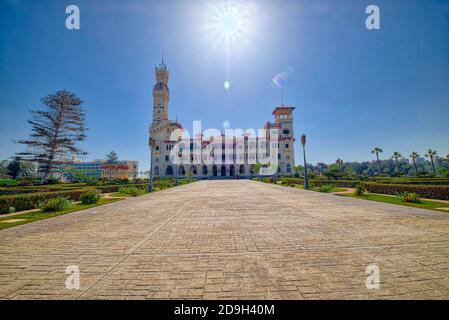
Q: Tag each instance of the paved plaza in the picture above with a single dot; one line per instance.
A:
(233, 239)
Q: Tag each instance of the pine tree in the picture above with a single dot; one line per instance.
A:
(56, 128)
(111, 161)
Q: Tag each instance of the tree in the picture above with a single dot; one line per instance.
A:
(376, 151)
(56, 128)
(4, 174)
(111, 161)
(431, 154)
(396, 156)
(447, 158)
(414, 155)
(256, 169)
(349, 173)
(297, 170)
(333, 172)
(18, 169)
(112, 157)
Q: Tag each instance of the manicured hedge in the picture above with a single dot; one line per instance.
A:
(422, 181)
(65, 187)
(431, 192)
(30, 201)
(114, 188)
(320, 182)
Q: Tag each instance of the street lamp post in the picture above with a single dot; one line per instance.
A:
(306, 179)
(177, 167)
(150, 178)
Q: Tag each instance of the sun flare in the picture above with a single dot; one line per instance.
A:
(231, 21)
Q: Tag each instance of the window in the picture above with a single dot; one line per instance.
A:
(166, 158)
(286, 131)
(286, 145)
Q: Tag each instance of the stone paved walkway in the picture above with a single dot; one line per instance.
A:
(230, 239)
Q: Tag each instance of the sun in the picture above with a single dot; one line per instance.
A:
(230, 21)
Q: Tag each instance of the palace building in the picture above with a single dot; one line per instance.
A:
(220, 155)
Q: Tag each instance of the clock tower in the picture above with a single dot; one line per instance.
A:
(161, 94)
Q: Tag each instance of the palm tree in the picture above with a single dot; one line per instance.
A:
(396, 156)
(430, 154)
(376, 151)
(414, 155)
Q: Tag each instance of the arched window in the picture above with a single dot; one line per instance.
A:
(181, 171)
(231, 170)
(214, 171)
(242, 169)
(156, 171)
(223, 170)
(169, 171)
(193, 170)
(204, 169)
(288, 168)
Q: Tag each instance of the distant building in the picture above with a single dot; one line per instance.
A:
(227, 156)
(99, 169)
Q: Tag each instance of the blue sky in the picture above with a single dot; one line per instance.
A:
(353, 88)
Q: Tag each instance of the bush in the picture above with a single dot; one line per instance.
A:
(408, 197)
(325, 188)
(431, 192)
(31, 201)
(359, 191)
(26, 181)
(90, 196)
(56, 204)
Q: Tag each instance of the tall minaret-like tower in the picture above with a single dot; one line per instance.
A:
(161, 94)
(284, 121)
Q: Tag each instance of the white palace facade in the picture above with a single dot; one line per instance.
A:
(217, 156)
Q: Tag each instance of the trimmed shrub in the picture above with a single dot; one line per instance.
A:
(90, 196)
(325, 188)
(359, 191)
(56, 204)
(408, 197)
(431, 192)
(31, 201)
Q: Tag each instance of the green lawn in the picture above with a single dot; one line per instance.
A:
(424, 204)
(119, 195)
(39, 215)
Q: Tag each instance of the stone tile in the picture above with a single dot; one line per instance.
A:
(230, 240)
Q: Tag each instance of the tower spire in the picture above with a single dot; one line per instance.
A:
(282, 96)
